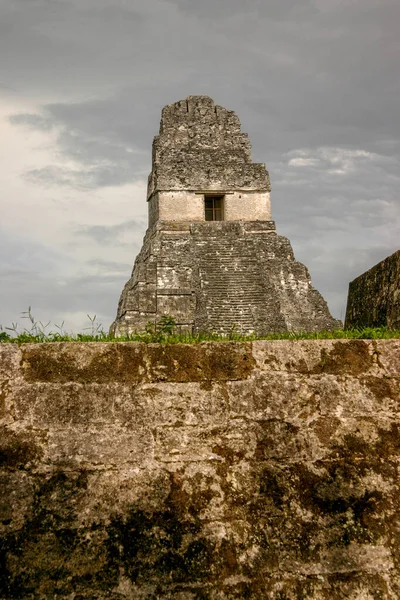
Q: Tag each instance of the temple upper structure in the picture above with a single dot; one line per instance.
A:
(211, 257)
(201, 153)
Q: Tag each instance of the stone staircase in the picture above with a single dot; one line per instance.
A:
(221, 277)
(232, 287)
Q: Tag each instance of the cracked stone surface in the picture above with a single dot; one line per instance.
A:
(211, 471)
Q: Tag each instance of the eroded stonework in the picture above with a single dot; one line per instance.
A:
(374, 296)
(216, 471)
(231, 272)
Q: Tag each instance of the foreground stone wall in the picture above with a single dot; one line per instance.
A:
(374, 296)
(225, 470)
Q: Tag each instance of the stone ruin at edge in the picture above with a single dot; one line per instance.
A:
(211, 257)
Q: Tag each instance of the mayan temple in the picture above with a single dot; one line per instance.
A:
(211, 257)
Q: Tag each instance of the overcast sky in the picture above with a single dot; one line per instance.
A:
(82, 82)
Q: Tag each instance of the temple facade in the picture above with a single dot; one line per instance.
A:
(211, 257)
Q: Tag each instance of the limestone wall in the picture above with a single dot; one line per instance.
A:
(225, 470)
(374, 296)
(188, 206)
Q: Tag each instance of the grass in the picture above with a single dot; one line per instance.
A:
(166, 332)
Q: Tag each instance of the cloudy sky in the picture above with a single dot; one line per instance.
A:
(82, 82)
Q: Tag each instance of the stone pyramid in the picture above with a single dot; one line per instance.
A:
(211, 257)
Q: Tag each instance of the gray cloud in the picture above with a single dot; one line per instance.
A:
(232, 9)
(33, 276)
(309, 74)
(316, 85)
(34, 121)
(103, 149)
(100, 175)
(110, 234)
(101, 265)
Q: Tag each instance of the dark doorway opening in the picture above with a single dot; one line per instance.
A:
(214, 208)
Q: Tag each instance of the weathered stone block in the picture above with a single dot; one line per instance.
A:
(180, 307)
(173, 276)
(135, 362)
(147, 300)
(374, 296)
(9, 361)
(105, 447)
(17, 489)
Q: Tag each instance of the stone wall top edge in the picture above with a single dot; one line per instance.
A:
(376, 268)
(380, 345)
(9, 359)
(286, 352)
(395, 342)
(135, 362)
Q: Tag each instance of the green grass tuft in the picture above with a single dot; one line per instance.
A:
(167, 332)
